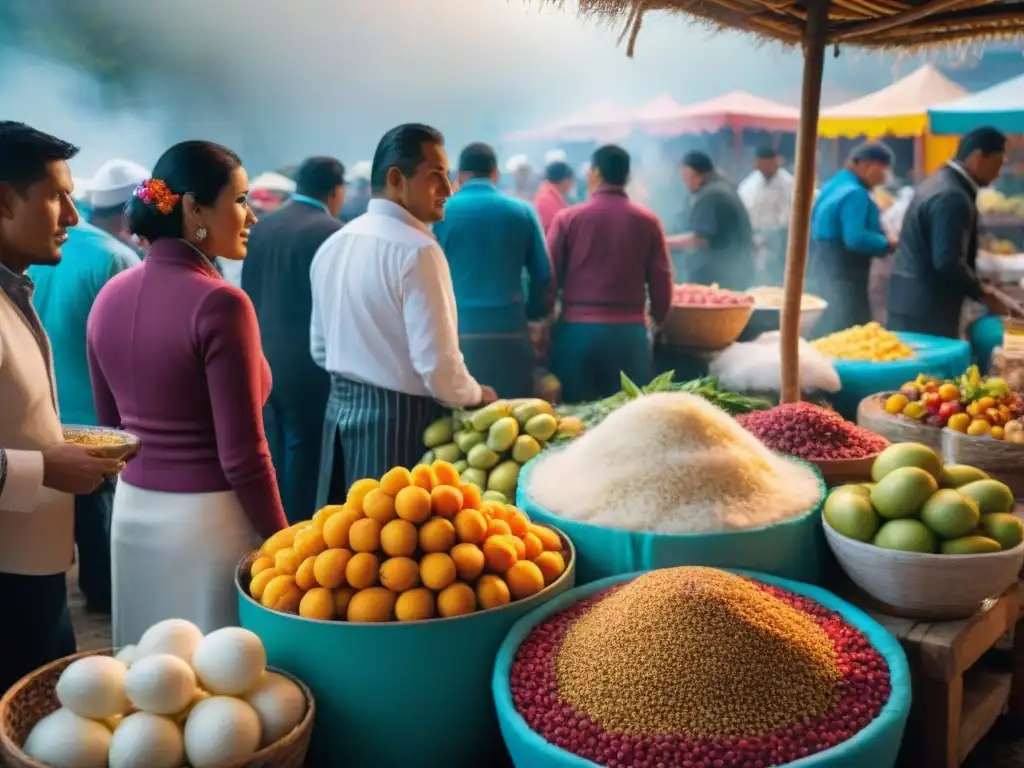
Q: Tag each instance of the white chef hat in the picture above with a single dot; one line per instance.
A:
(361, 171)
(517, 163)
(113, 184)
(556, 156)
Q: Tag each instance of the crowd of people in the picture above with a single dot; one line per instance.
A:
(355, 322)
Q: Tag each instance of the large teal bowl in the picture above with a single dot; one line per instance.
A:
(877, 746)
(402, 694)
(793, 549)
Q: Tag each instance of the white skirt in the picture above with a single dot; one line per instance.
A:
(174, 556)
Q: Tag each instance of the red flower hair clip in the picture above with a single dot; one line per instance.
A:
(155, 192)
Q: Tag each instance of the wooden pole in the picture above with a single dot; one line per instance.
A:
(815, 33)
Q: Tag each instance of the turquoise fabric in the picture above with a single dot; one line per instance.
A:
(877, 746)
(589, 357)
(63, 298)
(986, 333)
(844, 213)
(397, 695)
(933, 355)
(794, 548)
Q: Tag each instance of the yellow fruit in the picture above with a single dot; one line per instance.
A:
(260, 564)
(358, 492)
(471, 497)
(492, 592)
(517, 521)
(524, 579)
(259, 582)
(532, 545)
(446, 473)
(445, 500)
(979, 427)
(395, 480)
(287, 561)
(379, 506)
(375, 604)
(282, 594)
(551, 564)
(471, 526)
(398, 538)
(997, 433)
(423, 477)
(498, 528)
(400, 574)
(437, 571)
(318, 603)
(413, 503)
(277, 542)
(324, 513)
(973, 409)
(547, 537)
(415, 605)
(361, 571)
(469, 561)
(329, 567)
(949, 392)
(309, 542)
(456, 599)
(499, 554)
(915, 410)
(498, 510)
(342, 597)
(337, 527)
(518, 545)
(959, 422)
(437, 535)
(301, 525)
(304, 578)
(896, 403)
(364, 535)
(986, 402)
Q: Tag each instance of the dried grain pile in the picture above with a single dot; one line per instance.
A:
(672, 463)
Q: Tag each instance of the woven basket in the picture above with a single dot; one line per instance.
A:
(871, 415)
(1001, 459)
(705, 327)
(32, 698)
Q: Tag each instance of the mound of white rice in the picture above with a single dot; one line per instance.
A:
(672, 463)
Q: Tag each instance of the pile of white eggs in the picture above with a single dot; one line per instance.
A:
(175, 699)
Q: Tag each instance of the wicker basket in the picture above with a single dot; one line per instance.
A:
(923, 586)
(33, 697)
(871, 415)
(705, 327)
(1001, 459)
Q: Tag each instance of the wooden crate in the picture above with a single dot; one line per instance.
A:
(956, 699)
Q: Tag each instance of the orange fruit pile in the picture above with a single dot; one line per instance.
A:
(411, 546)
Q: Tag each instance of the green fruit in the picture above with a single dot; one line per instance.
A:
(851, 514)
(955, 475)
(905, 536)
(467, 439)
(971, 545)
(906, 455)
(950, 514)
(542, 427)
(497, 496)
(475, 476)
(525, 448)
(1005, 528)
(528, 410)
(461, 465)
(439, 433)
(482, 457)
(867, 487)
(855, 488)
(504, 478)
(448, 452)
(902, 492)
(502, 434)
(481, 420)
(428, 458)
(570, 426)
(991, 495)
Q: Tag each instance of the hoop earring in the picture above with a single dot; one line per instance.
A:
(200, 234)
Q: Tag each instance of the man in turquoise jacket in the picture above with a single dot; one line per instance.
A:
(63, 298)
(491, 240)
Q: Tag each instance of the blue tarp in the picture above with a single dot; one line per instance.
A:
(1001, 106)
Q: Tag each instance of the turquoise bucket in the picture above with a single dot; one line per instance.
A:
(877, 746)
(793, 549)
(399, 694)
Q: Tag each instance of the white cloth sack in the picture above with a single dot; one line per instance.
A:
(756, 366)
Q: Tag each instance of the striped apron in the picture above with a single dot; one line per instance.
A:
(367, 431)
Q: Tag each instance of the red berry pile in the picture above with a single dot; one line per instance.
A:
(864, 690)
(811, 432)
(691, 294)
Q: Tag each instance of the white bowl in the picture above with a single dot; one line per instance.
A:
(922, 585)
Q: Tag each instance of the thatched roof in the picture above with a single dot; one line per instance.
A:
(869, 23)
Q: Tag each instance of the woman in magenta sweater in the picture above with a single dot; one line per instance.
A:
(175, 357)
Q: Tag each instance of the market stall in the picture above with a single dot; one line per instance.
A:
(1001, 107)
(588, 124)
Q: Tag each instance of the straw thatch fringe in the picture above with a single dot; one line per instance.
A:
(868, 23)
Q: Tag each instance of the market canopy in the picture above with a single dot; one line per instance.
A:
(1001, 106)
(578, 126)
(900, 109)
(737, 110)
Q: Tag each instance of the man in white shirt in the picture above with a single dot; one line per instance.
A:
(767, 194)
(384, 323)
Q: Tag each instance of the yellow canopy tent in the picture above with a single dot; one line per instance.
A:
(814, 25)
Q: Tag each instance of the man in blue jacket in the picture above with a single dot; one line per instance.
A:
(490, 239)
(846, 234)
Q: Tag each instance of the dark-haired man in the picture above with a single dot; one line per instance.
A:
(554, 192)
(384, 320)
(767, 194)
(608, 256)
(276, 277)
(38, 471)
(934, 267)
(721, 238)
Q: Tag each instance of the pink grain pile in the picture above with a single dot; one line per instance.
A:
(811, 432)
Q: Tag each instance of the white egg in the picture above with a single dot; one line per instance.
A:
(174, 636)
(93, 687)
(219, 731)
(280, 703)
(126, 655)
(229, 661)
(65, 740)
(160, 684)
(144, 740)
